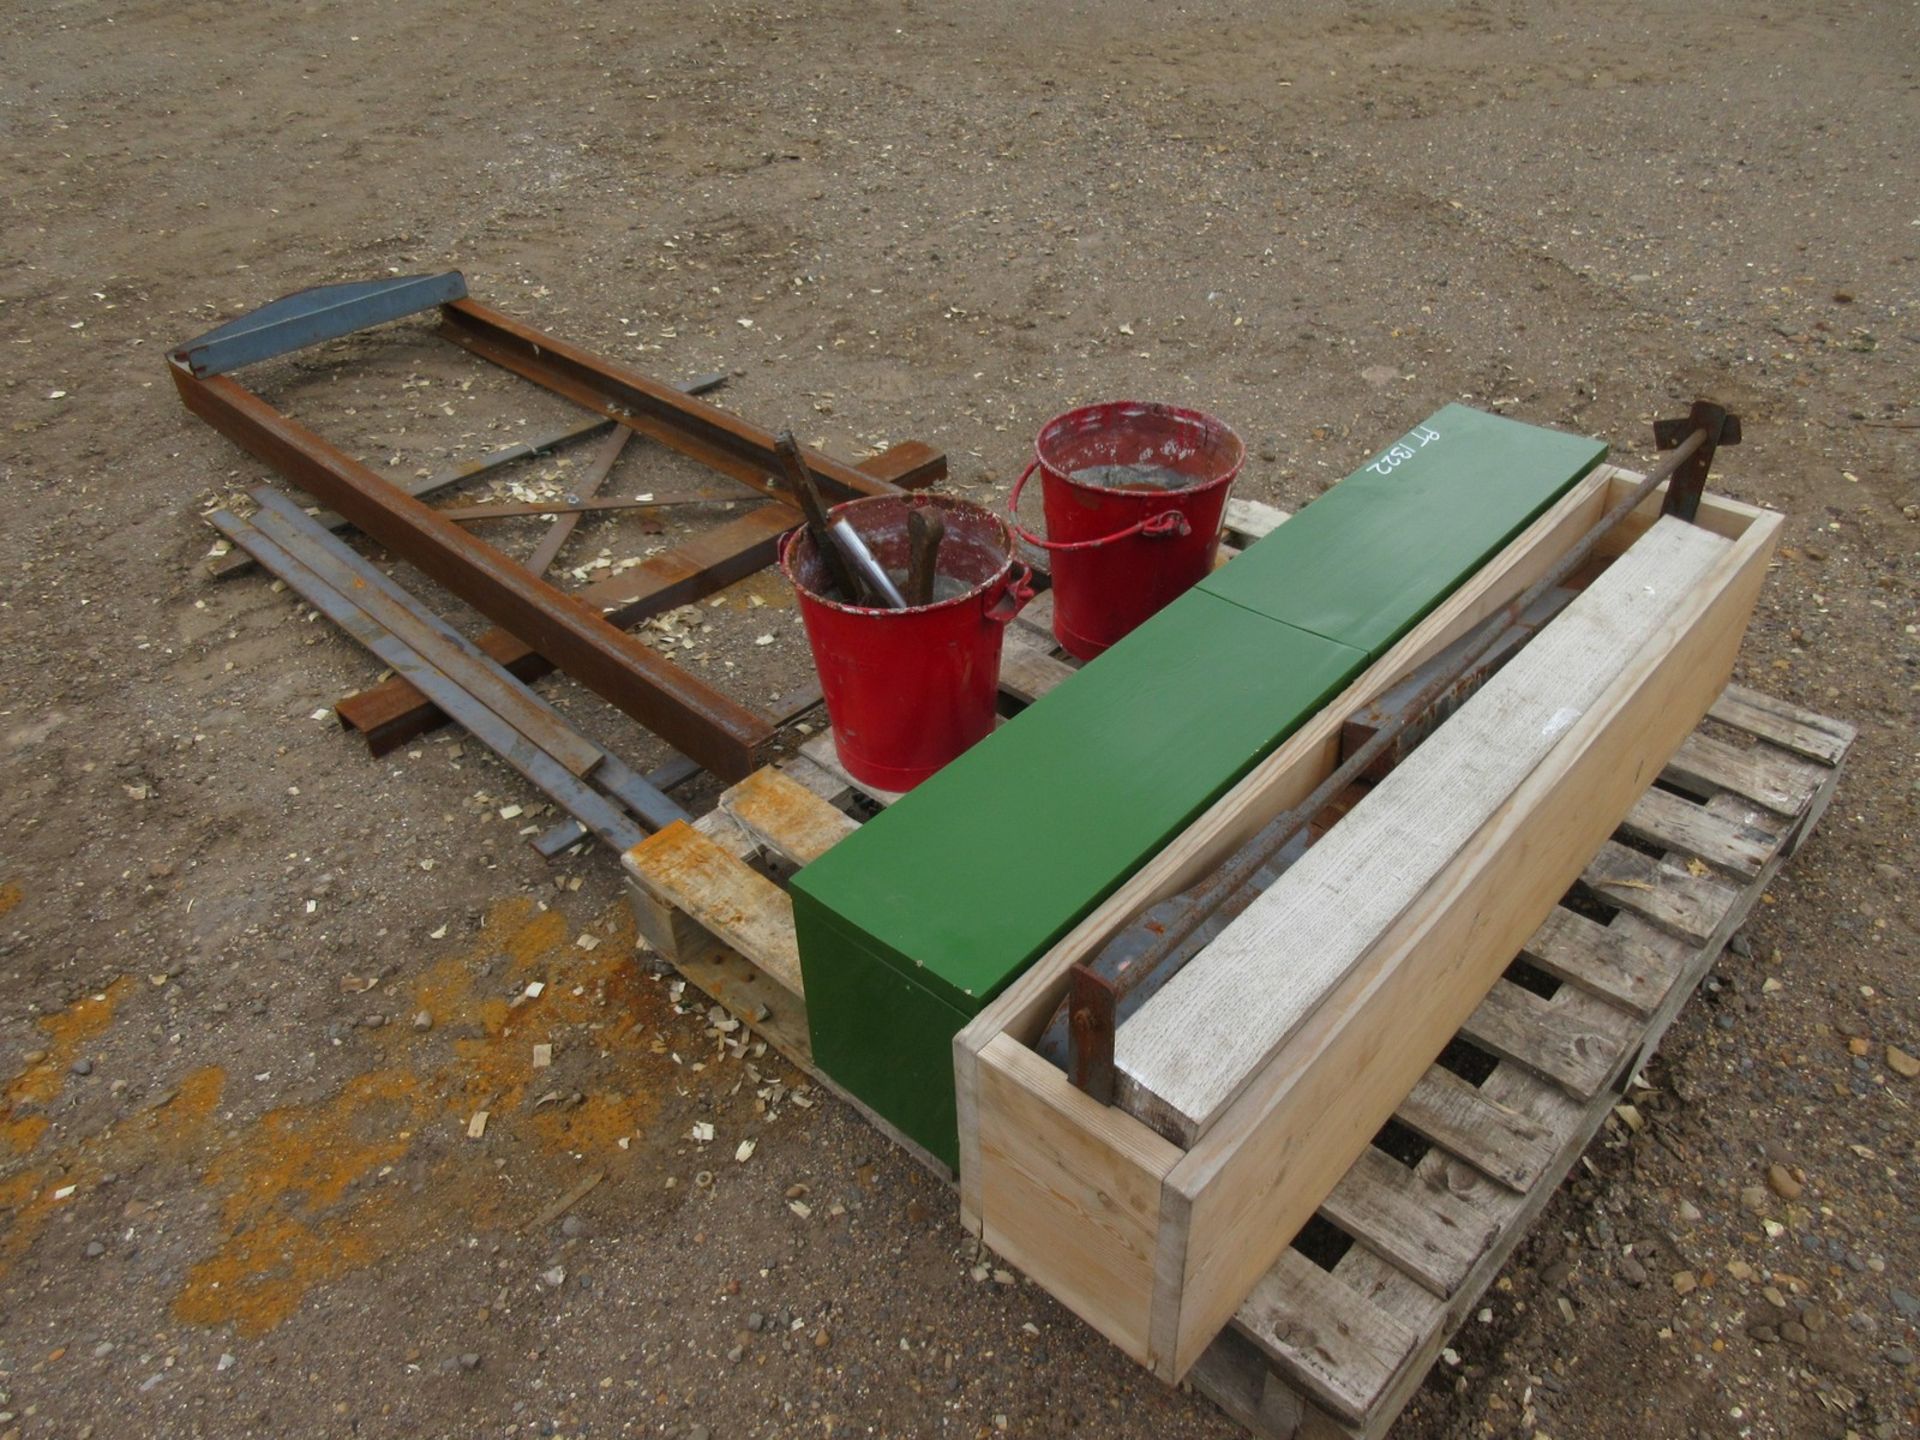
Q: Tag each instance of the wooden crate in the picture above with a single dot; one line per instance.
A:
(1158, 1246)
(1318, 1352)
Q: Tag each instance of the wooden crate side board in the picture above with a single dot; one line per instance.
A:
(1086, 1189)
(1233, 1375)
(1255, 1178)
(1280, 780)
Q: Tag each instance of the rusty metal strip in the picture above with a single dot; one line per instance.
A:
(558, 533)
(683, 710)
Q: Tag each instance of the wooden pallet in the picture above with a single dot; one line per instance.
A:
(1319, 1352)
(1337, 1352)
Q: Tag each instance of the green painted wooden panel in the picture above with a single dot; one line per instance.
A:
(885, 1037)
(1364, 562)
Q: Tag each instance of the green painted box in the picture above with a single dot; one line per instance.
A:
(914, 922)
(1366, 561)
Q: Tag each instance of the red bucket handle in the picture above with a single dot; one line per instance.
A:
(1014, 598)
(1168, 525)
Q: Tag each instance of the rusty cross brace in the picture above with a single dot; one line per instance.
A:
(1142, 956)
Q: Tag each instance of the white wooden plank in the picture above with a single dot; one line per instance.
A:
(1184, 1056)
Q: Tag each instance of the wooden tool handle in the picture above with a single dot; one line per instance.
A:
(825, 544)
(926, 528)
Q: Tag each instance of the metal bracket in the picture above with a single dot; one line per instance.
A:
(1690, 480)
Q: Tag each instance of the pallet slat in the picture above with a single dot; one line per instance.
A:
(1816, 737)
(1687, 905)
(1768, 777)
(1601, 961)
(1430, 1234)
(785, 816)
(1572, 1039)
(1345, 1348)
(1460, 1117)
(1660, 817)
(724, 896)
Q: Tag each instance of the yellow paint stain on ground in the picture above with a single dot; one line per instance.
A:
(283, 1192)
(29, 1092)
(10, 895)
(301, 1203)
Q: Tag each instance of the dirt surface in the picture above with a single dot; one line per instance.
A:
(254, 985)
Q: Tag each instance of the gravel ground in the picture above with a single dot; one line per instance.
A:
(254, 984)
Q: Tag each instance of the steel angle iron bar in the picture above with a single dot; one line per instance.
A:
(594, 811)
(1149, 951)
(460, 660)
(426, 634)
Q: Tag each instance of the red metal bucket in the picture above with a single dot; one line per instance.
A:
(909, 690)
(1134, 494)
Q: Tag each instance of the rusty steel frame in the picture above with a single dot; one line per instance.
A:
(724, 736)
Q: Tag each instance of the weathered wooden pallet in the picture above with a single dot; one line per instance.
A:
(1428, 1214)
(1334, 1344)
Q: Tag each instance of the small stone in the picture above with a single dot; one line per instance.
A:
(737, 1354)
(423, 1021)
(1773, 1297)
(82, 1067)
(1780, 1180)
(822, 1338)
(1793, 1332)
(573, 1227)
(1901, 1063)
(470, 1361)
(1632, 1271)
(95, 1249)
(1740, 1270)
(226, 1362)
(699, 1432)
(1897, 1355)
(35, 1057)
(1764, 1334)
(556, 1277)
(756, 1322)
(1689, 1212)
(1814, 1318)
(1754, 1198)
(1685, 1282)
(1905, 1304)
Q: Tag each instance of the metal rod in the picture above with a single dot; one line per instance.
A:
(598, 468)
(573, 506)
